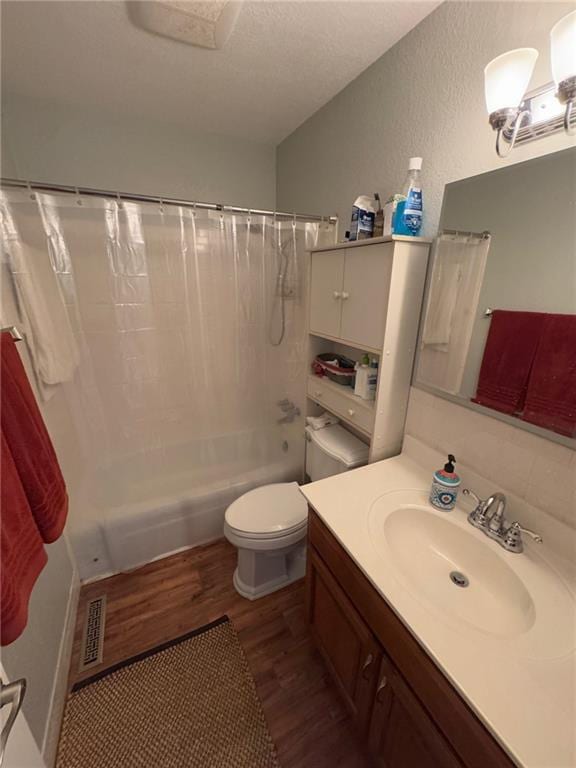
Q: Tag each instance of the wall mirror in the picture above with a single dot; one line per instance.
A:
(498, 331)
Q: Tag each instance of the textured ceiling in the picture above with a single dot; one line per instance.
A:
(283, 61)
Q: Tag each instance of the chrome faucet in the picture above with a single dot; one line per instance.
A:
(488, 516)
(496, 519)
(290, 411)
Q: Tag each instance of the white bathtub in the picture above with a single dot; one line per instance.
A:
(159, 502)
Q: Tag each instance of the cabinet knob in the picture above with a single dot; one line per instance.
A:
(345, 295)
(337, 295)
(380, 690)
(318, 393)
(351, 412)
(366, 666)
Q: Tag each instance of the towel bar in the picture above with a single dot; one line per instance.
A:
(13, 331)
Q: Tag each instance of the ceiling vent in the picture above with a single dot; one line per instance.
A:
(205, 24)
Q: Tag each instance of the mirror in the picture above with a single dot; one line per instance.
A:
(498, 332)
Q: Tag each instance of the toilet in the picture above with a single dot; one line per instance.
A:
(268, 524)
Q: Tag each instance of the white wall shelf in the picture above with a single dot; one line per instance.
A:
(372, 241)
(366, 296)
(347, 342)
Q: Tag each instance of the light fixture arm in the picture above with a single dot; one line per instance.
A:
(567, 95)
(507, 123)
(568, 119)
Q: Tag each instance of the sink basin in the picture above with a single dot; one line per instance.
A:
(483, 590)
(459, 573)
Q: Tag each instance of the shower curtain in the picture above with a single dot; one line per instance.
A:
(176, 314)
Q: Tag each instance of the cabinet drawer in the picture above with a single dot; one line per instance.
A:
(343, 404)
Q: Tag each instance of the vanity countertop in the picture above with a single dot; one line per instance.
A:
(525, 698)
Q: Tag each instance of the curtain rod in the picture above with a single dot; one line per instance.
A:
(88, 191)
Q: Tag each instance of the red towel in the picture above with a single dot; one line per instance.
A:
(551, 396)
(30, 446)
(22, 552)
(33, 494)
(508, 357)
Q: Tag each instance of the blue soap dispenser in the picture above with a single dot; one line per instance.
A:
(445, 486)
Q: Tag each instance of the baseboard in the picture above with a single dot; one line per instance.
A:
(103, 576)
(60, 686)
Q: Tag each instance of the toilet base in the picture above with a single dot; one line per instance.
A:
(260, 573)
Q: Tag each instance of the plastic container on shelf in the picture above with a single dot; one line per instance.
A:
(337, 368)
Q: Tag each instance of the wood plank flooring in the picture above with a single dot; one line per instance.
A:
(170, 597)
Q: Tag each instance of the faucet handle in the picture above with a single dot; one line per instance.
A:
(477, 517)
(513, 537)
(469, 492)
(533, 535)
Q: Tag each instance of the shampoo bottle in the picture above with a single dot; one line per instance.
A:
(445, 486)
(362, 223)
(366, 379)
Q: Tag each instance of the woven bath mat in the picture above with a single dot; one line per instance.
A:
(191, 703)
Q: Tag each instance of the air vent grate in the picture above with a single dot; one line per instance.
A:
(93, 634)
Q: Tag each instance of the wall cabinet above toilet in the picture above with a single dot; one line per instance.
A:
(366, 296)
(349, 293)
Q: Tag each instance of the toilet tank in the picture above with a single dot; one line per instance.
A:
(332, 450)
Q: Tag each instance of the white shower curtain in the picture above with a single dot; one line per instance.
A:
(173, 310)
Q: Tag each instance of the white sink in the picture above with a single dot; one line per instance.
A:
(462, 575)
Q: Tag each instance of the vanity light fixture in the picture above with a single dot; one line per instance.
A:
(505, 81)
(519, 117)
(563, 50)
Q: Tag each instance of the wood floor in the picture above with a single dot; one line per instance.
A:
(170, 597)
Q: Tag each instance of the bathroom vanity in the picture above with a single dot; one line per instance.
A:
(402, 704)
(435, 676)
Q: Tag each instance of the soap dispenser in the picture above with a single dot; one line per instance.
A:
(445, 486)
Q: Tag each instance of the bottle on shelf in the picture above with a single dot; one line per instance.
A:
(409, 210)
(366, 378)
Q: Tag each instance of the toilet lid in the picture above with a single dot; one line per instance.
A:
(271, 509)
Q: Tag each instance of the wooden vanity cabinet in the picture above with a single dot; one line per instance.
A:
(407, 712)
(402, 734)
(350, 650)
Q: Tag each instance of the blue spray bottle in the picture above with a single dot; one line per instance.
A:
(408, 214)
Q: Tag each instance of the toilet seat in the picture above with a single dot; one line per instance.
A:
(272, 513)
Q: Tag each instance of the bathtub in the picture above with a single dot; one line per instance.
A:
(159, 502)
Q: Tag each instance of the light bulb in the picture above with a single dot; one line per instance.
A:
(506, 78)
(563, 48)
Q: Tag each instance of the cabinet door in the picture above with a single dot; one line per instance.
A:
(326, 277)
(349, 648)
(402, 735)
(367, 274)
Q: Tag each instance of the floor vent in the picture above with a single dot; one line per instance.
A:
(92, 648)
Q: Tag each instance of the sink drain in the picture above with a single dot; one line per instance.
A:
(459, 579)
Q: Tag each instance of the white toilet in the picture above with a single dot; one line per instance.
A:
(268, 524)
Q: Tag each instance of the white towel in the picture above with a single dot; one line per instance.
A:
(324, 420)
(450, 255)
(47, 328)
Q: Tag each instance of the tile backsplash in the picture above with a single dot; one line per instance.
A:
(536, 471)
